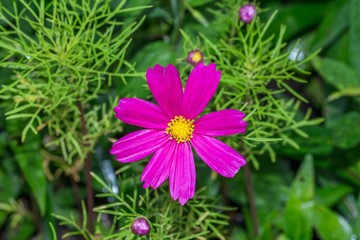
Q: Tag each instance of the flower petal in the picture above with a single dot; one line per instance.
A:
(200, 88)
(141, 113)
(158, 168)
(182, 174)
(138, 144)
(221, 123)
(165, 85)
(217, 155)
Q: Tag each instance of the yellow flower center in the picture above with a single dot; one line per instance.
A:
(180, 129)
(197, 57)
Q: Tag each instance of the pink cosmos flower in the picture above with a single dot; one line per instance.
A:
(173, 128)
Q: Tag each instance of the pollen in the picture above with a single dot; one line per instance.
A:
(197, 57)
(180, 129)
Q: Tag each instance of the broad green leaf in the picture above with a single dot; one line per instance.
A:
(292, 16)
(346, 131)
(329, 225)
(302, 187)
(331, 195)
(267, 226)
(30, 162)
(336, 49)
(337, 73)
(299, 206)
(198, 3)
(318, 143)
(298, 217)
(153, 53)
(334, 23)
(354, 35)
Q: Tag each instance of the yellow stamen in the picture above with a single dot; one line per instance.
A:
(180, 129)
(197, 57)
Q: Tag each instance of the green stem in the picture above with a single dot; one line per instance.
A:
(76, 192)
(251, 198)
(88, 178)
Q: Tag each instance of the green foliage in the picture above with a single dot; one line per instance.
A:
(20, 220)
(260, 70)
(333, 24)
(30, 161)
(58, 60)
(292, 15)
(347, 134)
(78, 48)
(354, 35)
(300, 203)
(65, 64)
(72, 222)
(201, 218)
(302, 211)
(337, 73)
(325, 219)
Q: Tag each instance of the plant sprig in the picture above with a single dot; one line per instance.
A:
(62, 54)
(257, 74)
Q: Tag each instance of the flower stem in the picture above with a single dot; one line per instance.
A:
(88, 179)
(251, 198)
(76, 192)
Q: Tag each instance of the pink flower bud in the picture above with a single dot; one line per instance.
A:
(247, 13)
(140, 226)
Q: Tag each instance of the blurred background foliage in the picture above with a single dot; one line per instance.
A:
(303, 179)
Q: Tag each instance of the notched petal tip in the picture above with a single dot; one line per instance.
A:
(244, 124)
(221, 123)
(137, 145)
(146, 184)
(171, 67)
(182, 201)
(165, 85)
(117, 109)
(210, 69)
(217, 155)
(232, 174)
(141, 113)
(113, 150)
(154, 72)
(158, 68)
(182, 178)
(200, 88)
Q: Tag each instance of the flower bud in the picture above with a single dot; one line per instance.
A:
(140, 226)
(195, 57)
(247, 13)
